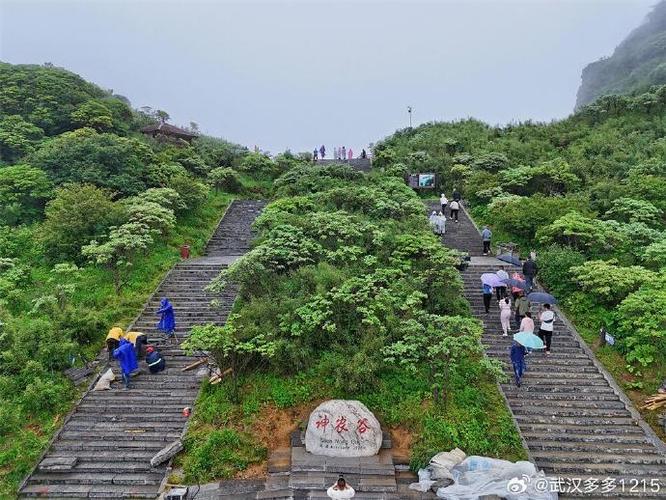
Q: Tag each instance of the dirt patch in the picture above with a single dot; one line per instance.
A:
(272, 428)
(401, 440)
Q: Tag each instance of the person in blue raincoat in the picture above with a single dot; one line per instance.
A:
(167, 323)
(126, 356)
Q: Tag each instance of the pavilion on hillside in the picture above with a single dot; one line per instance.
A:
(168, 131)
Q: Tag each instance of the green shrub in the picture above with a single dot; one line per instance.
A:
(226, 179)
(555, 263)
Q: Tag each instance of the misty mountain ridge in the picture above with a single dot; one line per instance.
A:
(636, 64)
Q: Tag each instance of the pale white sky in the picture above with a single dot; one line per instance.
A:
(297, 74)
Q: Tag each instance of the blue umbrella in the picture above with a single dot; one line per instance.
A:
(529, 340)
(510, 259)
(491, 279)
(542, 298)
(516, 283)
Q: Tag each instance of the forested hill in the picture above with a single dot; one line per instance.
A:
(587, 193)
(636, 64)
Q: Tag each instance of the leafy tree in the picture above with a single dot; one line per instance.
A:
(93, 114)
(439, 345)
(550, 178)
(119, 250)
(17, 137)
(631, 210)
(580, 232)
(157, 218)
(166, 197)
(609, 282)
(160, 174)
(491, 162)
(65, 231)
(226, 179)
(191, 191)
(23, 193)
(105, 160)
(229, 349)
(654, 254)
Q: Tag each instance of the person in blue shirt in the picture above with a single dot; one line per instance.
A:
(518, 361)
(487, 296)
(486, 236)
(126, 356)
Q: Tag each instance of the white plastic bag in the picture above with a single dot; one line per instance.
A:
(442, 463)
(104, 382)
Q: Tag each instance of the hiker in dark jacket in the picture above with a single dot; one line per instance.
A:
(518, 361)
(530, 270)
(154, 360)
(456, 195)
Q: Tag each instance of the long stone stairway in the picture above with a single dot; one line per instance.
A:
(104, 448)
(578, 425)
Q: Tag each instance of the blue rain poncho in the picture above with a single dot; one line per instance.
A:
(126, 356)
(167, 323)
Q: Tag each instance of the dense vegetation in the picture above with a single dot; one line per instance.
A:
(347, 294)
(588, 193)
(91, 215)
(637, 63)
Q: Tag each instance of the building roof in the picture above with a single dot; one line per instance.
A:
(168, 129)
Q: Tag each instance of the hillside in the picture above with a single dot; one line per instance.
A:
(636, 64)
(588, 194)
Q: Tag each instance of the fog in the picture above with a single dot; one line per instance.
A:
(280, 74)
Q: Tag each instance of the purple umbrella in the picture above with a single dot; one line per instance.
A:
(491, 279)
(541, 297)
(516, 283)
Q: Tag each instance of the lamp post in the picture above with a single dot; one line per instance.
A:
(409, 110)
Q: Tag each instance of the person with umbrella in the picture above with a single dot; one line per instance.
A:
(167, 323)
(547, 318)
(530, 271)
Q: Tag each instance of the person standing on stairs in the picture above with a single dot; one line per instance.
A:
(527, 323)
(456, 195)
(315, 155)
(441, 224)
(547, 318)
(487, 296)
(350, 154)
(518, 361)
(505, 315)
(167, 323)
(486, 236)
(343, 153)
(126, 357)
(443, 200)
(455, 207)
(530, 270)
(522, 306)
(322, 152)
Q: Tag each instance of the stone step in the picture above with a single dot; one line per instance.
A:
(89, 478)
(610, 447)
(573, 420)
(567, 404)
(648, 457)
(89, 491)
(109, 444)
(635, 470)
(552, 426)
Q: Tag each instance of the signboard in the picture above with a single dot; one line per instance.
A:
(413, 181)
(427, 181)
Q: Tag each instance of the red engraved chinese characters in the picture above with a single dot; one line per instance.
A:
(362, 425)
(341, 424)
(322, 422)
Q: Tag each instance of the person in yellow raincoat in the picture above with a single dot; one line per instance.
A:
(113, 340)
(140, 341)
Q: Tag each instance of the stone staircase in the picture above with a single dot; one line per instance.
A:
(574, 419)
(104, 448)
(361, 164)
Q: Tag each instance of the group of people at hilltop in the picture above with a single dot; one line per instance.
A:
(129, 347)
(339, 153)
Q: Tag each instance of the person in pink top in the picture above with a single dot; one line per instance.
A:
(505, 314)
(527, 323)
(350, 154)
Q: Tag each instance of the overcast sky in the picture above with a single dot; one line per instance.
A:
(297, 74)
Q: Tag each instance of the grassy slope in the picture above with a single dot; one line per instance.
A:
(19, 451)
